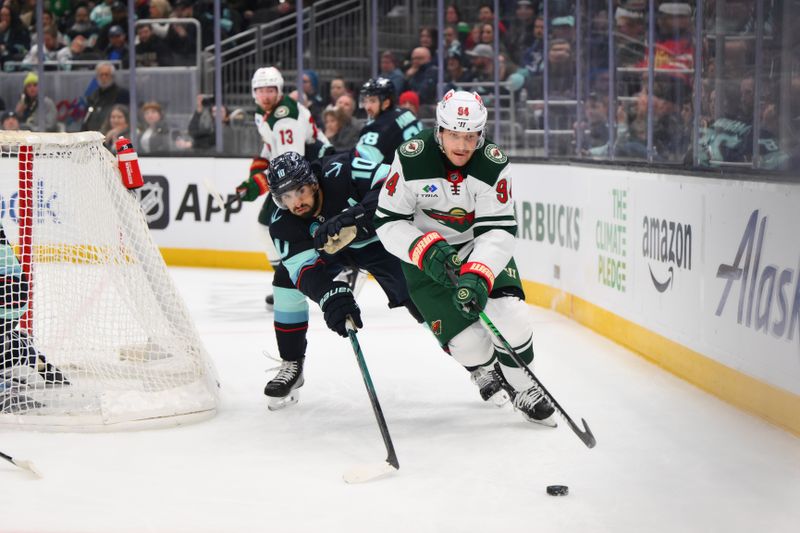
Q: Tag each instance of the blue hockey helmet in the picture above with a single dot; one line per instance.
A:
(288, 172)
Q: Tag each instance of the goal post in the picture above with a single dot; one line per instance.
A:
(93, 333)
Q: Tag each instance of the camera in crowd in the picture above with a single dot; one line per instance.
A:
(208, 100)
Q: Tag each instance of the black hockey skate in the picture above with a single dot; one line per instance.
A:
(492, 385)
(282, 389)
(535, 408)
(269, 302)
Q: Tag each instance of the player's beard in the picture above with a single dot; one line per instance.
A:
(313, 208)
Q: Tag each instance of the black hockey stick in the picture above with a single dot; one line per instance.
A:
(586, 435)
(25, 465)
(362, 473)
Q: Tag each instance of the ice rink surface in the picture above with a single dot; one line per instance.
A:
(669, 457)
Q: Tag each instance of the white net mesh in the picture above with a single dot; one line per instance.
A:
(94, 334)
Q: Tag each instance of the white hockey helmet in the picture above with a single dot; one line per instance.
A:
(461, 111)
(267, 77)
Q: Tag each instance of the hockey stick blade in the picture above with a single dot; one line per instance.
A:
(23, 464)
(340, 240)
(586, 435)
(368, 472)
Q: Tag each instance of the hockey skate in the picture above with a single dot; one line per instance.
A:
(269, 302)
(492, 385)
(282, 389)
(535, 408)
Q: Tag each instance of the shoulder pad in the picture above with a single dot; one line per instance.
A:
(487, 163)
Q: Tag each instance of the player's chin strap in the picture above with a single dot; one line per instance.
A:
(363, 473)
(585, 435)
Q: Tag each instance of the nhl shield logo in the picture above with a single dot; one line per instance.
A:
(281, 112)
(154, 199)
(495, 154)
(412, 148)
(436, 327)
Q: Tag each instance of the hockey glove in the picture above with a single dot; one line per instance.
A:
(252, 188)
(337, 304)
(471, 295)
(353, 216)
(435, 257)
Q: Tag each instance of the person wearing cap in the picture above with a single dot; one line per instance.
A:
(119, 17)
(154, 136)
(29, 105)
(674, 40)
(9, 121)
(520, 34)
(482, 69)
(117, 49)
(563, 28)
(409, 100)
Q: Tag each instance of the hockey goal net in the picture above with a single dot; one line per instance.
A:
(93, 334)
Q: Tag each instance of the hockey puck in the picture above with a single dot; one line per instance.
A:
(557, 490)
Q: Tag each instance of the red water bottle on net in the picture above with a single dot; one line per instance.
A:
(128, 161)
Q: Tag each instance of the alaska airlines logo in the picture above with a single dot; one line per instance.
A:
(669, 243)
(766, 289)
(456, 218)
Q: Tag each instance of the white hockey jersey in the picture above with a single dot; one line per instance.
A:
(289, 128)
(470, 207)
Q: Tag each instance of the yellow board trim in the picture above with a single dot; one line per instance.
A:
(776, 405)
(215, 259)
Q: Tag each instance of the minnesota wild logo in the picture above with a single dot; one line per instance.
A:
(495, 154)
(436, 327)
(281, 112)
(412, 148)
(457, 218)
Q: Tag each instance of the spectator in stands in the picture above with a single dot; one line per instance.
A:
(78, 50)
(202, 126)
(182, 37)
(563, 28)
(487, 37)
(390, 71)
(422, 75)
(452, 15)
(83, 25)
(594, 123)
(455, 73)
(26, 12)
(339, 129)
(347, 103)
(629, 35)
(451, 43)
(119, 17)
(101, 14)
(117, 49)
(154, 137)
(533, 56)
(482, 69)
(486, 16)
(337, 88)
(118, 125)
(9, 121)
(150, 49)
(520, 34)
(314, 101)
(409, 100)
(428, 38)
(51, 48)
(14, 37)
(31, 103)
(104, 97)
(160, 9)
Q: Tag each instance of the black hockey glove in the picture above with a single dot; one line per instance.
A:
(435, 257)
(471, 295)
(337, 304)
(353, 216)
